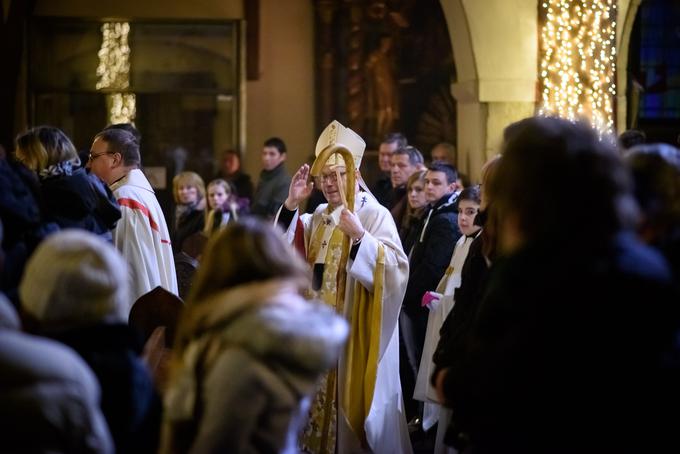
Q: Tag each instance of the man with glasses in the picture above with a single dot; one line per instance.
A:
(359, 405)
(141, 235)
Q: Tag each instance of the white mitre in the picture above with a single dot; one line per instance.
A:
(338, 137)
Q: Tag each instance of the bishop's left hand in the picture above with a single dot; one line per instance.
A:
(350, 225)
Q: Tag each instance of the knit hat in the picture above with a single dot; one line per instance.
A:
(76, 278)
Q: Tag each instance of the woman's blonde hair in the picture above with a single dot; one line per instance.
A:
(418, 175)
(44, 146)
(188, 179)
(247, 250)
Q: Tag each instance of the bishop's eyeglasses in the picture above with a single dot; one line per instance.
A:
(329, 178)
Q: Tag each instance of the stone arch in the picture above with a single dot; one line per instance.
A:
(461, 39)
(626, 19)
(474, 90)
(471, 134)
(495, 48)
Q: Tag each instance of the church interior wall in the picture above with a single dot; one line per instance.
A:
(281, 101)
(495, 45)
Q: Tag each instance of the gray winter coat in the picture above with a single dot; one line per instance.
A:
(249, 371)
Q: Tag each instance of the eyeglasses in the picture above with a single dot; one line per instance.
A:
(91, 157)
(330, 177)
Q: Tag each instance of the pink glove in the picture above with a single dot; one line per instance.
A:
(430, 299)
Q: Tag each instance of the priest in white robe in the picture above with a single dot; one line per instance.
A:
(141, 235)
(361, 270)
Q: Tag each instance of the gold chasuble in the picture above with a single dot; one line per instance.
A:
(319, 435)
(362, 347)
(362, 350)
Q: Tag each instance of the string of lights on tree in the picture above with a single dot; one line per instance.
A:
(114, 72)
(578, 49)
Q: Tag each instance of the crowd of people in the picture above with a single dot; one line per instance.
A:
(535, 312)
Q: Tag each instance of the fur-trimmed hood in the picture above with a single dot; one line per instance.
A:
(295, 338)
(272, 321)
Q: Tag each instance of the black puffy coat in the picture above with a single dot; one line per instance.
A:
(79, 200)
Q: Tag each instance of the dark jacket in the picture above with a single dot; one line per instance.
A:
(382, 190)
(129, 401)
(472, 284)
(572, 350)
(241, 182)
(399, 206)
(108, 210)
(23, 224)
(432, 252)
(271, 192)
(243, 185)
(19, 210)
(411, 227)
(189, 222)
(80, 201)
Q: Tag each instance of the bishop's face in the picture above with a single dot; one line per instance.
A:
(328, 182)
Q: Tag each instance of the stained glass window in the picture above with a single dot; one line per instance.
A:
(658, 77)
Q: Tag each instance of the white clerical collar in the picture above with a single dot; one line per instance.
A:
(335, 215)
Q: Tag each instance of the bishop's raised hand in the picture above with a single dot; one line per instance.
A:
(300, 188)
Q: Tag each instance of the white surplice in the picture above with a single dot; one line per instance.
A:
(142, 237)
(447, 287)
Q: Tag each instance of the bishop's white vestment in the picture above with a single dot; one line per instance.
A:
(379, 268)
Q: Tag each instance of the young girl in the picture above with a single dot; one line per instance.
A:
(222, 206)
(441, 302)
